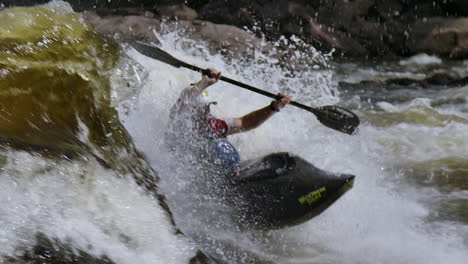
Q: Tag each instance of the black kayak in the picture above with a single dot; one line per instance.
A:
(281, 190)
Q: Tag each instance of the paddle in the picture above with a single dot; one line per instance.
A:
(332, 116)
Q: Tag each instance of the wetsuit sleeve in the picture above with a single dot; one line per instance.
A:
(184, 102)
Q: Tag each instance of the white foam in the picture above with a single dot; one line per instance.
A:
(421, 59)
(378, 221)
(87, 207)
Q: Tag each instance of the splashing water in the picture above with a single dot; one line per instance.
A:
(400, 210)
(382, 220)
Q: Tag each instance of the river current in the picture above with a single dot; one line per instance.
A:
(83, 126)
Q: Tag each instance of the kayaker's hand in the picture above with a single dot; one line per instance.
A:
(282, 101)
(209, 76)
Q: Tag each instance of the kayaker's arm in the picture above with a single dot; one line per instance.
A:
(189, 94)
(207, 80)
(257, 117)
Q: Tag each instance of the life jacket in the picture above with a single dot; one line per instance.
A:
(225, 154)
(211, 127)
(218, 128)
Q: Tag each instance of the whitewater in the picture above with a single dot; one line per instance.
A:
(400, 209)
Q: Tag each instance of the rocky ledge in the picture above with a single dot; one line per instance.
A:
(353, 28)
(435, 80)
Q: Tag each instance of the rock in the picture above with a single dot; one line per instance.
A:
(456, 7)
(181, 12)
(441, 79)
(54, 251)
(80, 5)
(346, 11)
(437, 79)
(445, 36)
(388, 9)
(229, 40)
(241, 13)
(123, 12)
(354, 28)
(446, 79)
(125, 27)
(337, 40)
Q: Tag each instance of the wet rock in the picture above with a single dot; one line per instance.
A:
(446, 79)
(54, 251)
(388, 9)
(446, 36)
(202, 258)
(458, 7)
(282, 18)
(123, 12)
(353, 28)
(370, 28)
(226, 39)
(125, 27)
(347, 11)
(437, 79)
(181, 12)
(230, 39)
(238, 13)
(441, 79)
(63, 104)
(80, 5)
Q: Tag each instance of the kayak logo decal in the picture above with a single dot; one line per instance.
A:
(312, 197)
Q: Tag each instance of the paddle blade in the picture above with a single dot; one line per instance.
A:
(337, 118)
(334, 117)
(156, 53)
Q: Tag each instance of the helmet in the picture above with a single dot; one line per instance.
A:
(226, 155)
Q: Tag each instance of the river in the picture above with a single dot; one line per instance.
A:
(409, 203)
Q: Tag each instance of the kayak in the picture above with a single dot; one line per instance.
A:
(281, 190)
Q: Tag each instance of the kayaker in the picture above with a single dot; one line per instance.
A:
(191, 120)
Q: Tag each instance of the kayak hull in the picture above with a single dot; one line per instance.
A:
(281, 190)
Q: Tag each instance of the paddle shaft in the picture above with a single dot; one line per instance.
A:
(250, 88)
(334, 117)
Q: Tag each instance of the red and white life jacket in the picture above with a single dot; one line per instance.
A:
(217, 127)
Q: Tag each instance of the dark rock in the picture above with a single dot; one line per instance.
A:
(177, 12)
(388, 9)
(446, 79)
(230, 40)
(203, 258)
(455, 7)
(441, 79)
(347, 11)
(437, 79)
(125, 27)
(337, 39)
(445, 36)
(460, 7)
(370, 28)
(230, 12)
(363, 85)
(123, 12)
(81, 5)
(54, 251)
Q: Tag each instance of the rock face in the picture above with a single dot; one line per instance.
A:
(437, 79)
(227, 39)
(357, 28)
(126, 27)
(441, 36)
